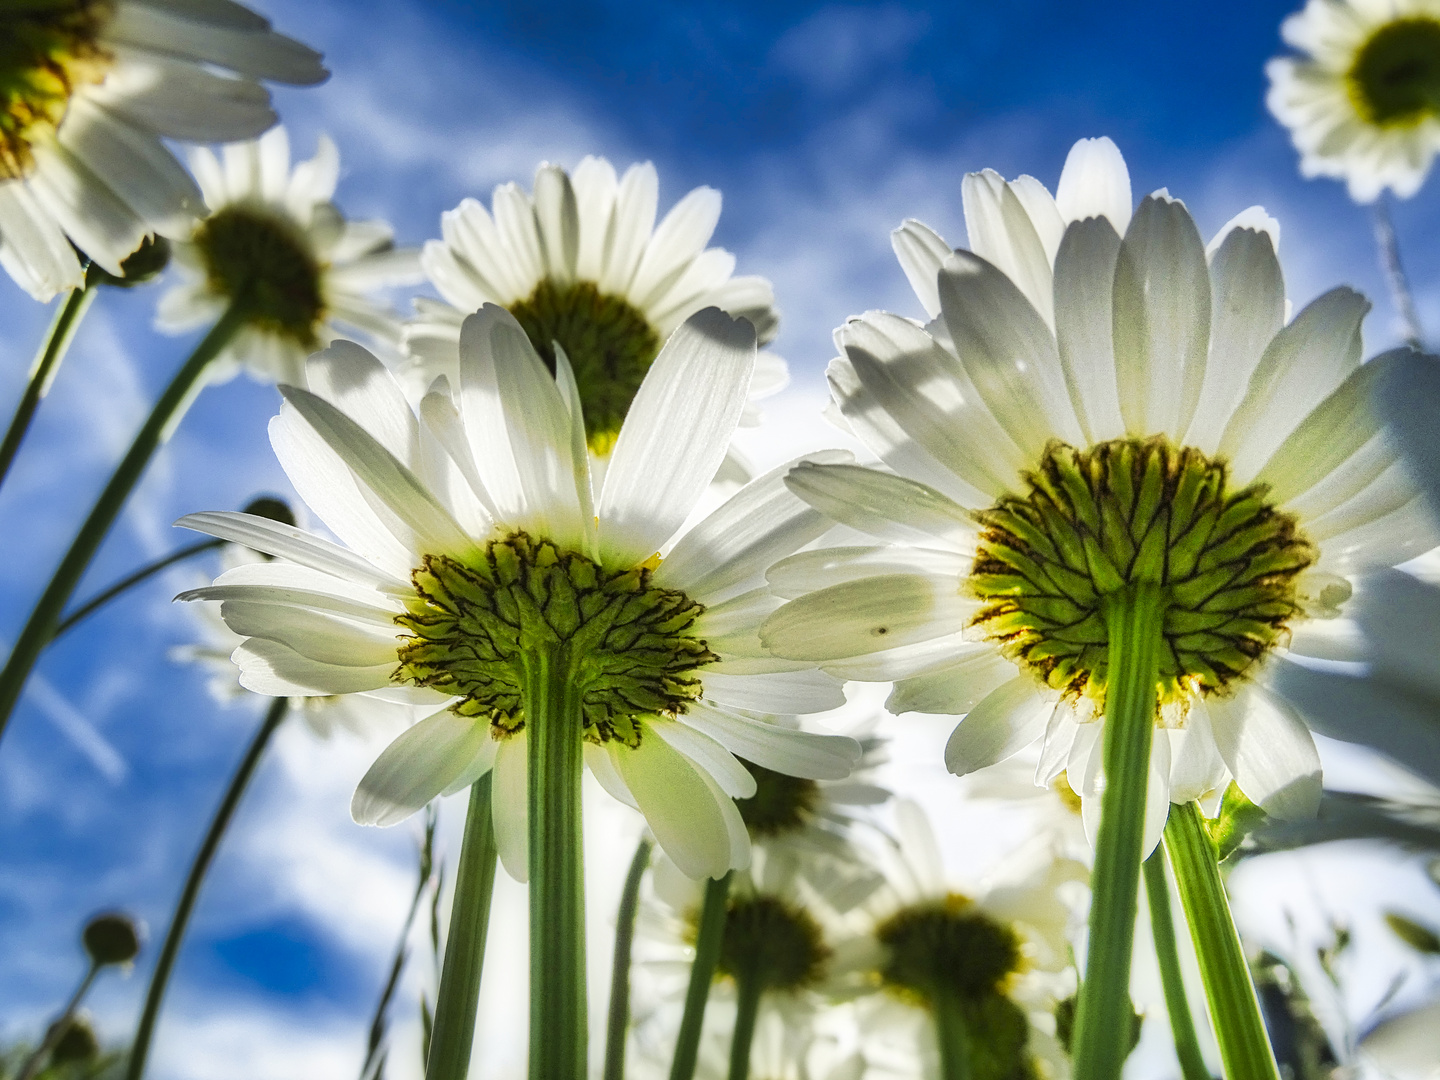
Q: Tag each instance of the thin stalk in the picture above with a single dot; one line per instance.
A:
(1245, 1051)
(131, 580)
(748, 991)
(619, 1018)
(1395, 275)
(43, 372)
(56, 1030)
(553, 719)
(170, 948)
(1162, 929)
(952, 1034)
(1134, 619)
(453, 1030)
(702, 974)
(40, 628)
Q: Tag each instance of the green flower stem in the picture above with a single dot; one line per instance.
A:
(56, 1030)
(702, 973)
(170, 948)
(40, 628)
(1245, 1051)
(748, 991)
(952, 1034)
(1162, 929)
(1134, 618)
(553, 719)
(131, 580)
(459, 994)
(43, 372)
(619, 1019)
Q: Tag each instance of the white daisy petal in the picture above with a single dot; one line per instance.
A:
(885, 506)
(705, 752)
(1010, 718)
(921, 252)
(676, 434)
(809, 571)
(275, 670)
(1095, 182)
(510, 802)
(1269, 751)
(956, 689)
(865, 616)
(773, 746)
(1162, 320)
(416, 767)
(778, 691)
(33, 249)
(1084, 325)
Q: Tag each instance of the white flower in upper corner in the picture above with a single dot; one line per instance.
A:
(274, 231)
(91, 88)
(581, 261)
(997, 950)
(1170, 428)
(473, 537)
(1362, 101)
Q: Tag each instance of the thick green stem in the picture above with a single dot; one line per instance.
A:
(129, 581)
(553, 722)
(1134, 618)
(952, 1034)
(43, 372)
(702, 973)
(40, 628)
(1245, 1051)
(1162, 929)
(748, 990)
(170, 949)
(458, 998)
(619, 1019)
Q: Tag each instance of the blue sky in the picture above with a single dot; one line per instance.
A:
(824, 126)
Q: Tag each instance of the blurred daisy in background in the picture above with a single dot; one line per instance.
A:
(1362, 100)
(91, 88)
(308, 274)
(581, 261)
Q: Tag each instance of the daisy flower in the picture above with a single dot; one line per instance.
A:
(474, 542)
(1362, 101)
(92, 87)
(991, 961)
(1172, 429)
(580, 261)
(274, 233)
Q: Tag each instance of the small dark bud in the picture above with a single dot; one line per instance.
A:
(112, 938)
(77, 1043)
(1065, 1025)
(267, 506)
(140, 266)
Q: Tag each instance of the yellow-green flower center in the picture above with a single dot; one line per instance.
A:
(609, 343)
(946, 953)
(257, 252)
(1097, 520)
(1395, 79)
(48, 50)
(781, 804)
(630, 643)
(775, 943)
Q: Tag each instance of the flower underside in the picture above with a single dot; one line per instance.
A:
(781, 804)
(1127, 511)
(946, 950)
(1395, 79)
(609, 343)
(776, 943)
(47, 52)
(252, 251)
(628, 643)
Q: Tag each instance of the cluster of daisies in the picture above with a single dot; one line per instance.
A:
(531, 512)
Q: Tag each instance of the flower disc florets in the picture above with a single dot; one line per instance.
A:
(1395, 79)
(947, 945)
(781, 804)
(773, 942)
(609, 344)
(46, 53)
(255, 251)
(628, 643)
(1127, 511)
